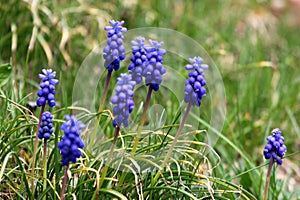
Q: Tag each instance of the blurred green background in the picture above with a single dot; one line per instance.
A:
(255, 44)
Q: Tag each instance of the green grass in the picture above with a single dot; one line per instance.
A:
(259, 68)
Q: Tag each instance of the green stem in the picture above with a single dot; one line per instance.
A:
(136, 140)
(167, 157)
(117, 130)
(268, 178)
(62, 193)
(93, 136)
(45, 169)
(36, 142)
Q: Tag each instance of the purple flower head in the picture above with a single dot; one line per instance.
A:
(46, 126)
(47, 88)
(123, 100)
(155, 46)
(154, 68)
(114, 50)
(275, 147)
(115, 28)
(71, 141)
(138, 59)
(194, 85)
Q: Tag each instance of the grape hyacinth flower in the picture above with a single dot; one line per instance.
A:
(114, 51)
(123, 107)
(44, 132)
(194, 91)
(71, 141)
(46, 126)
(69, 145)
(274, 150)
(275, 147)
(113, 54)
(154, 69)
(47, 91)
(123, 100)
(194, 86)
(138, 59)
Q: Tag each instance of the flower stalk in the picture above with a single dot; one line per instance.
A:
(63, 188)
(268, 179)
(45, 169)
(108, 77)
(110, 155)
(93, 136)
(136, 140)
(168, 155)
(36, 142)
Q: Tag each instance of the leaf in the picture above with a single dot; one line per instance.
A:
(113, 193)
(185, 193)
(5, 71)
(4, 165)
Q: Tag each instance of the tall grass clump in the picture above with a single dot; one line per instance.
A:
(137, 173)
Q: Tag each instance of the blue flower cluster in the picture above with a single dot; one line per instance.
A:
(114, 50)
(154, 69)
(275, 147)
(71, 141)
(123, 100)
(47, 91)
(138, 59)
(46, 126)
(194, 86)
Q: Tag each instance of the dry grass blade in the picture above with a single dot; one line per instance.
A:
(47, 49)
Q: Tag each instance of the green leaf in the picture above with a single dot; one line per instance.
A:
(5, 71)
(113, 193)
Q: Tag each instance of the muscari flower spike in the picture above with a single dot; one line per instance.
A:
(47, 91)
(194, 86)
(114, 50)
(71, 141)
(138, 59)
(46, 126)
(154, 69)
(123, 100)
(275, 147)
